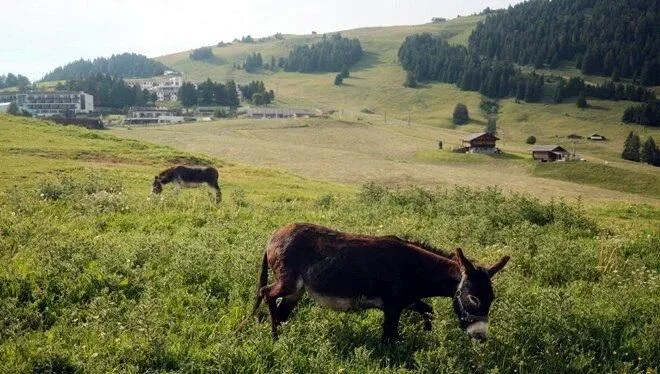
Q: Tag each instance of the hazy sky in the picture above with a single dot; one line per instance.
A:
(39, 35)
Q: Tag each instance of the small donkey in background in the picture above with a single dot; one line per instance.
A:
(189, 176)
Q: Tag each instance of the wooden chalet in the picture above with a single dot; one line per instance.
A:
(480, 143)
(549, 153)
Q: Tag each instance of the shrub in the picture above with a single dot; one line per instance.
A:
(461, 115)
(531, 139)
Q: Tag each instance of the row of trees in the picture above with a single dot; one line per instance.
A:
(428, 58)
(330, 54)
(122, 65)
(606, 91)
(209, 93)
(256, 93)
(109, 91)
(648, 152)
(11, 80)
(604, 37)
(253, 62)
(202, 53)
(645, 114)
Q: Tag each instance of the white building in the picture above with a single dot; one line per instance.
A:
(166, 87)
(50, 103)
(138, 115)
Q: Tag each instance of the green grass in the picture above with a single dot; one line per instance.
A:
(376, 84)
(95, 277)
(601, 175)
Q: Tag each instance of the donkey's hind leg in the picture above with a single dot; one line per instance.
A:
(283, 287)
(288, 303)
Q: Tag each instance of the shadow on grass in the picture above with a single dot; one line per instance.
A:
(368, 60)
(347, 337)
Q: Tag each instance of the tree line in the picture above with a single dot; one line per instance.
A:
(331, 54)
(122, 65)
(202, 53)
(12, 80)
(253, 62)
(209, 93)
(429, 58)
(618, 38)
(645, 114)
(256, 93)
(634, 150)
(109, 91)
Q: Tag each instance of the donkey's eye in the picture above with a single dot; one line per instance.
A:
(474, 300)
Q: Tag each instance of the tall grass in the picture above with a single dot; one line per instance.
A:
(96, 279)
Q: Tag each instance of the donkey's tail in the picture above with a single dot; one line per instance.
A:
(263, 279)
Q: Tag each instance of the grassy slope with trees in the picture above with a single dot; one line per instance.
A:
(377, 81)
(96, 277)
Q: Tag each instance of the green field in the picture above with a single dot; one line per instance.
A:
(95, 276)
(397, 143)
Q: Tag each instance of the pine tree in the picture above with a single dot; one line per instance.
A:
(581, 101)
(461, 115)
(491, 127)
(631, 147)
(649, 151)
(344, 72)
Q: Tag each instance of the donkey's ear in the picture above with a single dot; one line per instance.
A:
(463, 262)
(498, 266)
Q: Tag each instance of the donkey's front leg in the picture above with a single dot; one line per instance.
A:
(391, 322)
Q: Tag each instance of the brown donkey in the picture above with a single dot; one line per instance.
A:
(188, 176)
(352, 272)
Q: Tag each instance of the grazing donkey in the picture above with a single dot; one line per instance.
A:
(352, 272)
(189, 176)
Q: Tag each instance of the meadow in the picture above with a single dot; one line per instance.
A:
(97, 276)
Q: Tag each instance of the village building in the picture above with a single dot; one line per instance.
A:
(549, 153)
(4, 107)
(268, 113)
(480, 143)
(139, 115)
(165, 87)
(51, 103)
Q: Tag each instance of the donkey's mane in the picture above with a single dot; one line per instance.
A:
(424, 245)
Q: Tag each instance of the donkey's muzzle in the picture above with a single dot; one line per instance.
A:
(478, 330)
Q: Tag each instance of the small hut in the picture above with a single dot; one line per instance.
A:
(549, 153)
(480, 143)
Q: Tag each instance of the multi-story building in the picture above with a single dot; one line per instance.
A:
(166, 87)
(137, 115)
(50, 103)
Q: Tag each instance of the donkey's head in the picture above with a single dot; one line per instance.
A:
(157, 186)
(474, 295)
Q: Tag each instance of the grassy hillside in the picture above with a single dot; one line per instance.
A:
(376, 87)
(398, 153)
(95, 277)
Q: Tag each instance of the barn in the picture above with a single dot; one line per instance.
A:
(549, 153)
(480, 143)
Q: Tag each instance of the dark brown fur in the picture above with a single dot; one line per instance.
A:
(351, 271)
(183, 175)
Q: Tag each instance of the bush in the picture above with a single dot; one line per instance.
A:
(531, 139)
(461, 115)
(339, 80)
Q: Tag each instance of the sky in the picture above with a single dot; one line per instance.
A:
(40, 35)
